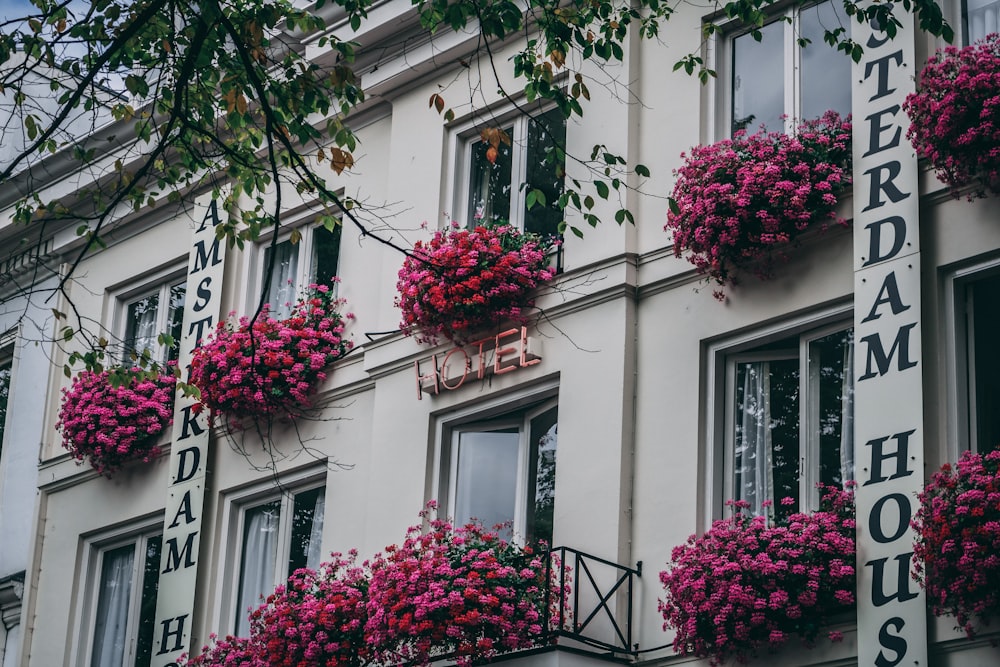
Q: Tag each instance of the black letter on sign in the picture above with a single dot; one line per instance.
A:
(890, 290)
(201, 324)
(892, 642)
(211, 214)
(189, 421)
(875, 247)
(875, 518)
(177, 633)
(876, 129)
(204, 294)
(184, 509)
(174, 556)
(877, 353)
(903, 592)
(201, 255)
(184, 472)
(883, 73)
(879, 455)
(877, 184)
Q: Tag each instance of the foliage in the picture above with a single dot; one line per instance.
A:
(745, 586)
(957, 549)
(458, 591)
(317, 618)
(111, 424)
(270, 368)
(465, 280)
(739, 204)
(228, 652)
(955, 116)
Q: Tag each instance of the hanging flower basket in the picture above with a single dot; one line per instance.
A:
(955, 116)
(957, 550)
(741, 204)
(111, 423)
(745, 586)
(272, 368)
(463, 281)
(228, 652)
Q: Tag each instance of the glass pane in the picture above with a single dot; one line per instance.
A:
(759, 80)
(545, 168)
(767, 434)
(486, 487)
(489, 185)
(147, 608)
(260, 548)
(831, 365)
(544, 439)
(281, 287)
(984, 360)
(5, 369)
(175, 319)
(982, 17)
(326, 254)
(826, 73)
(307, 530)
(114, 593)
(140, 325)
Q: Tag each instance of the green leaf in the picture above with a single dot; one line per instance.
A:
(674, 208)
(642, 170)
(602, 189)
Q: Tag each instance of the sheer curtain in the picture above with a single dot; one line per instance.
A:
(754, 477)
(315, 552)
(982, 18)
(140, 331)
(281, 288)
(847, 414)
(112, 607)
(260, 546)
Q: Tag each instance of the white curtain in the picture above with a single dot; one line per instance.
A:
(112, 608)
(141, 330)
(847, 414)
(315, 553)
(281, 288)
(983, 18)
(754, 474)
(259, 551)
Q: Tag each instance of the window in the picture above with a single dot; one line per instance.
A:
(277, 537)
(789, 420)
(150, 313)
(312, 259)
(982, 361)
(775, 81)
(125, 576)
(980, 18)
(6, 366)
(502, 471)
(531, 151)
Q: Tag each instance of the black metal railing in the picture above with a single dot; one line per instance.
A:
(590, 600)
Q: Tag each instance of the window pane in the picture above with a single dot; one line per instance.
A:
(115, 590)
(544, 439)
(984, 364)
(326, 254)
(982, 17)
(307, 530)
(260, 547)
(831, 370)
(546, 165)
(767, 434)
(826, 73)
(147, 610)
(5, 370)
(281, 287)
(486, 487)
(489, 187)
(140, 325)
(759, 80)
(175, 319)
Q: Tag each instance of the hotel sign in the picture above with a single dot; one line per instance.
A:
(189, 452)
(888, 396)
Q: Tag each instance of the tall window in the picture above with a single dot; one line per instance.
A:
(6, 365)
(790, 421)
(982, 363)
(126, 576)
(158, 310)
(278, 537)
(775, 81)
(530, 156)
(312, 259)
(502, 471)
(980, 18)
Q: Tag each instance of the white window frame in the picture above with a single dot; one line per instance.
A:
(159, 284)
(94, 549)
(721, 359)
(236, 505)
(517, 410)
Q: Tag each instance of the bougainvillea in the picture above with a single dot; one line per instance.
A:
(955, 116)
(317, 618)
(228, 652)
(454, 591)
(272, 367)
(957, 548)
(463, 280)
(745, 585)
(111, 423)
(740, 204)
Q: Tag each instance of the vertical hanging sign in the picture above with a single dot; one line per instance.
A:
(189, 450)
(888, 395)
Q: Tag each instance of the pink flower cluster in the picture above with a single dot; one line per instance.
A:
(745, 586)
(228, 652)
(957, 549)
(464, 280)
(272, 367)
(740, 203)
(111, 425)
(955, 116)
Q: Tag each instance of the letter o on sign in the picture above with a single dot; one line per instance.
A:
(875, 518)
